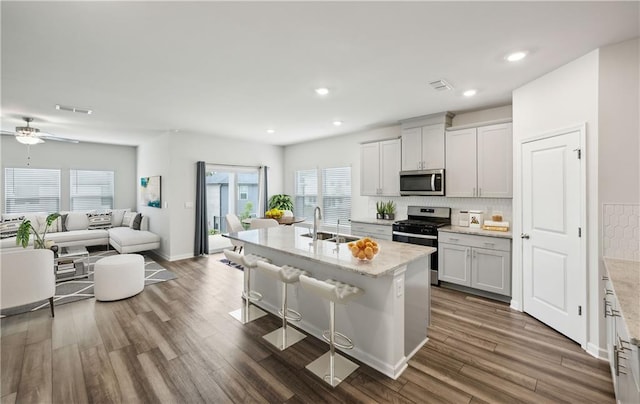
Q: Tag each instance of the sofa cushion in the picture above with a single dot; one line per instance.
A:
(9, 227)
(10, 242)
(135, 225)
(77, 235)
(125, 236)
(77, 221)
(117, 215)
(99, 220)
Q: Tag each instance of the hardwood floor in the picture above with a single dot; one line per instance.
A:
(175, 343)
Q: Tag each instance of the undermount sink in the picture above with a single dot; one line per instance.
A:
(323, 235)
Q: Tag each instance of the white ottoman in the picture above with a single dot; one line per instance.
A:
(118, 276)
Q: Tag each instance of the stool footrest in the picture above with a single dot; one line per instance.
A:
(292, 315)
(252, 295)
(340, 340)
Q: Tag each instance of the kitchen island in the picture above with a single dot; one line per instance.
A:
(388, 324)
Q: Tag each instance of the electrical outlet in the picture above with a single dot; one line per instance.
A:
(399, 287)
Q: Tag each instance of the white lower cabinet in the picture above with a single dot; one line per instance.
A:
(380, 231)
(478, 262)
(624, 359)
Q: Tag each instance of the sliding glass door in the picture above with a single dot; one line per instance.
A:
(231, 189)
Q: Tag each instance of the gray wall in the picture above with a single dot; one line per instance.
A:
(82, 156)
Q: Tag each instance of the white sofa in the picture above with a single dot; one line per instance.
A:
(122, 237)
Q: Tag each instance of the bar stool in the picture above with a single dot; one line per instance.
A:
(284, 336)
(332, 367)
(247, 312)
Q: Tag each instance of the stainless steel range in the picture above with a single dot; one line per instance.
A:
(421, 228)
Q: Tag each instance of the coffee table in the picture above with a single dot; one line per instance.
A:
(71, 263)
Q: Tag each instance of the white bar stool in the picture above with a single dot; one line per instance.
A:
(284, 337)
(332, 367)
(247, 312)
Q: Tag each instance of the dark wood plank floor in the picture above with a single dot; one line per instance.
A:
(175, 343)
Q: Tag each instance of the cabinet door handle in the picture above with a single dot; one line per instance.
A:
(487, 243)
(468, 252)
(479, 191)
(453, 239)
(474, 191)
(605, 278)
(474, 253)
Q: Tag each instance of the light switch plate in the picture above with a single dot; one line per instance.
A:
(188, 205)
(399, 287)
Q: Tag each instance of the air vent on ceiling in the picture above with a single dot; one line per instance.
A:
(74, 109)
(440, 85)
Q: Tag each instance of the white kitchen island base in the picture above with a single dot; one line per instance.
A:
(388, 324)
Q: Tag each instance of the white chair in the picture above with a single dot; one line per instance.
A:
(287, 213)
(27, 276)
(331, 367)
(247, 312)
(263, 223)
(284, 337)
(233, 226)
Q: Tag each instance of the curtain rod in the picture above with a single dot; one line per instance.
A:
(232, 165)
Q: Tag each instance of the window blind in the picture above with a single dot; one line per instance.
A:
(31, 190)
(91, 189)
(336, 194)
(306, 192)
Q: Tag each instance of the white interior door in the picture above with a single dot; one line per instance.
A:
(554, 282)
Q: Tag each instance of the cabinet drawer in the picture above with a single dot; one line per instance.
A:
(371, 230)
(492, 243)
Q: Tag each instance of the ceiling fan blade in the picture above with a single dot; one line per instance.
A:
(6, 132)
(58, 139)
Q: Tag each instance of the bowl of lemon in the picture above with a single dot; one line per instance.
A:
(274, 213)
(364, 249)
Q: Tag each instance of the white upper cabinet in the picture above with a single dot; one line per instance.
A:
(380, 168)
(423, 148)
(479, 162)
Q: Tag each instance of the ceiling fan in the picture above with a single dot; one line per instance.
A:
(30, 136)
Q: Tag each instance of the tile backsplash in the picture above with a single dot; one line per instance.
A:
(621, 231)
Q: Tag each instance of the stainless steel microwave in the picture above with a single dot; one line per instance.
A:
(422, 182)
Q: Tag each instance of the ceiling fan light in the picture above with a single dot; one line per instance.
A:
(29, 140)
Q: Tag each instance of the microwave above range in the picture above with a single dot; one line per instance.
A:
(422, 182)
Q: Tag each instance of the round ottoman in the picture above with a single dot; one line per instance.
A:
(118, 276)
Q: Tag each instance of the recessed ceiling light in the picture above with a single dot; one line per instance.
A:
(271, 131)
(322, 91)
(337, 123)
(469, 93)
(515, 56)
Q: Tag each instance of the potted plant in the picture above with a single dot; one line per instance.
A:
(26, 228)
(380, 208)
(281, 201)
(390, 210)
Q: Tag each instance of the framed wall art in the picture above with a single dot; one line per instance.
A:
(150, 194)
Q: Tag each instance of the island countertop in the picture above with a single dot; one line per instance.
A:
(290, 240)
(625, 280)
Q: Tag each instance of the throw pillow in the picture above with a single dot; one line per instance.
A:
(117, 215)
(127, 219)
(99, 221)
(9, 227)
(136, 222)
(63, 222)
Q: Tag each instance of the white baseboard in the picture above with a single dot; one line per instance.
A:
(597, 352)
(179, 257)
(515, 305)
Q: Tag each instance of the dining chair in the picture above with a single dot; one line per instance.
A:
(263, 223)
(233, 226)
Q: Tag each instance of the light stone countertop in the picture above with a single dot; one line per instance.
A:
(476, 232)
(625, 279)
(371, 220)
(289, 240)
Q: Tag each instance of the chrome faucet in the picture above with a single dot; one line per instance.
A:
(317, 215)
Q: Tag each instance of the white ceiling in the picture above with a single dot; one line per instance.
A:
(235, 69)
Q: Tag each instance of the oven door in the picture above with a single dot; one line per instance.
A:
(421, 239)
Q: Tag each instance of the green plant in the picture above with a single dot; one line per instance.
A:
(248, 207)
(26, 228)
(213, 232)
(281, 201)
(380, 207)
(389, 207)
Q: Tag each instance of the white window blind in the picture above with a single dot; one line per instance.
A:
(31, 190)
(91, 189)
(306, 192)
(336, 194)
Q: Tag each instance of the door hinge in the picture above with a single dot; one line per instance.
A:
(579, 153)
(579, 310)
(579, 231)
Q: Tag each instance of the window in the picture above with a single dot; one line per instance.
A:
(335, 198)
(336, 194)
(243, 191)
(306, 192)
(31, 190)
(91, 189)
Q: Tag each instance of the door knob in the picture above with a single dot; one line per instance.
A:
(524, 235)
